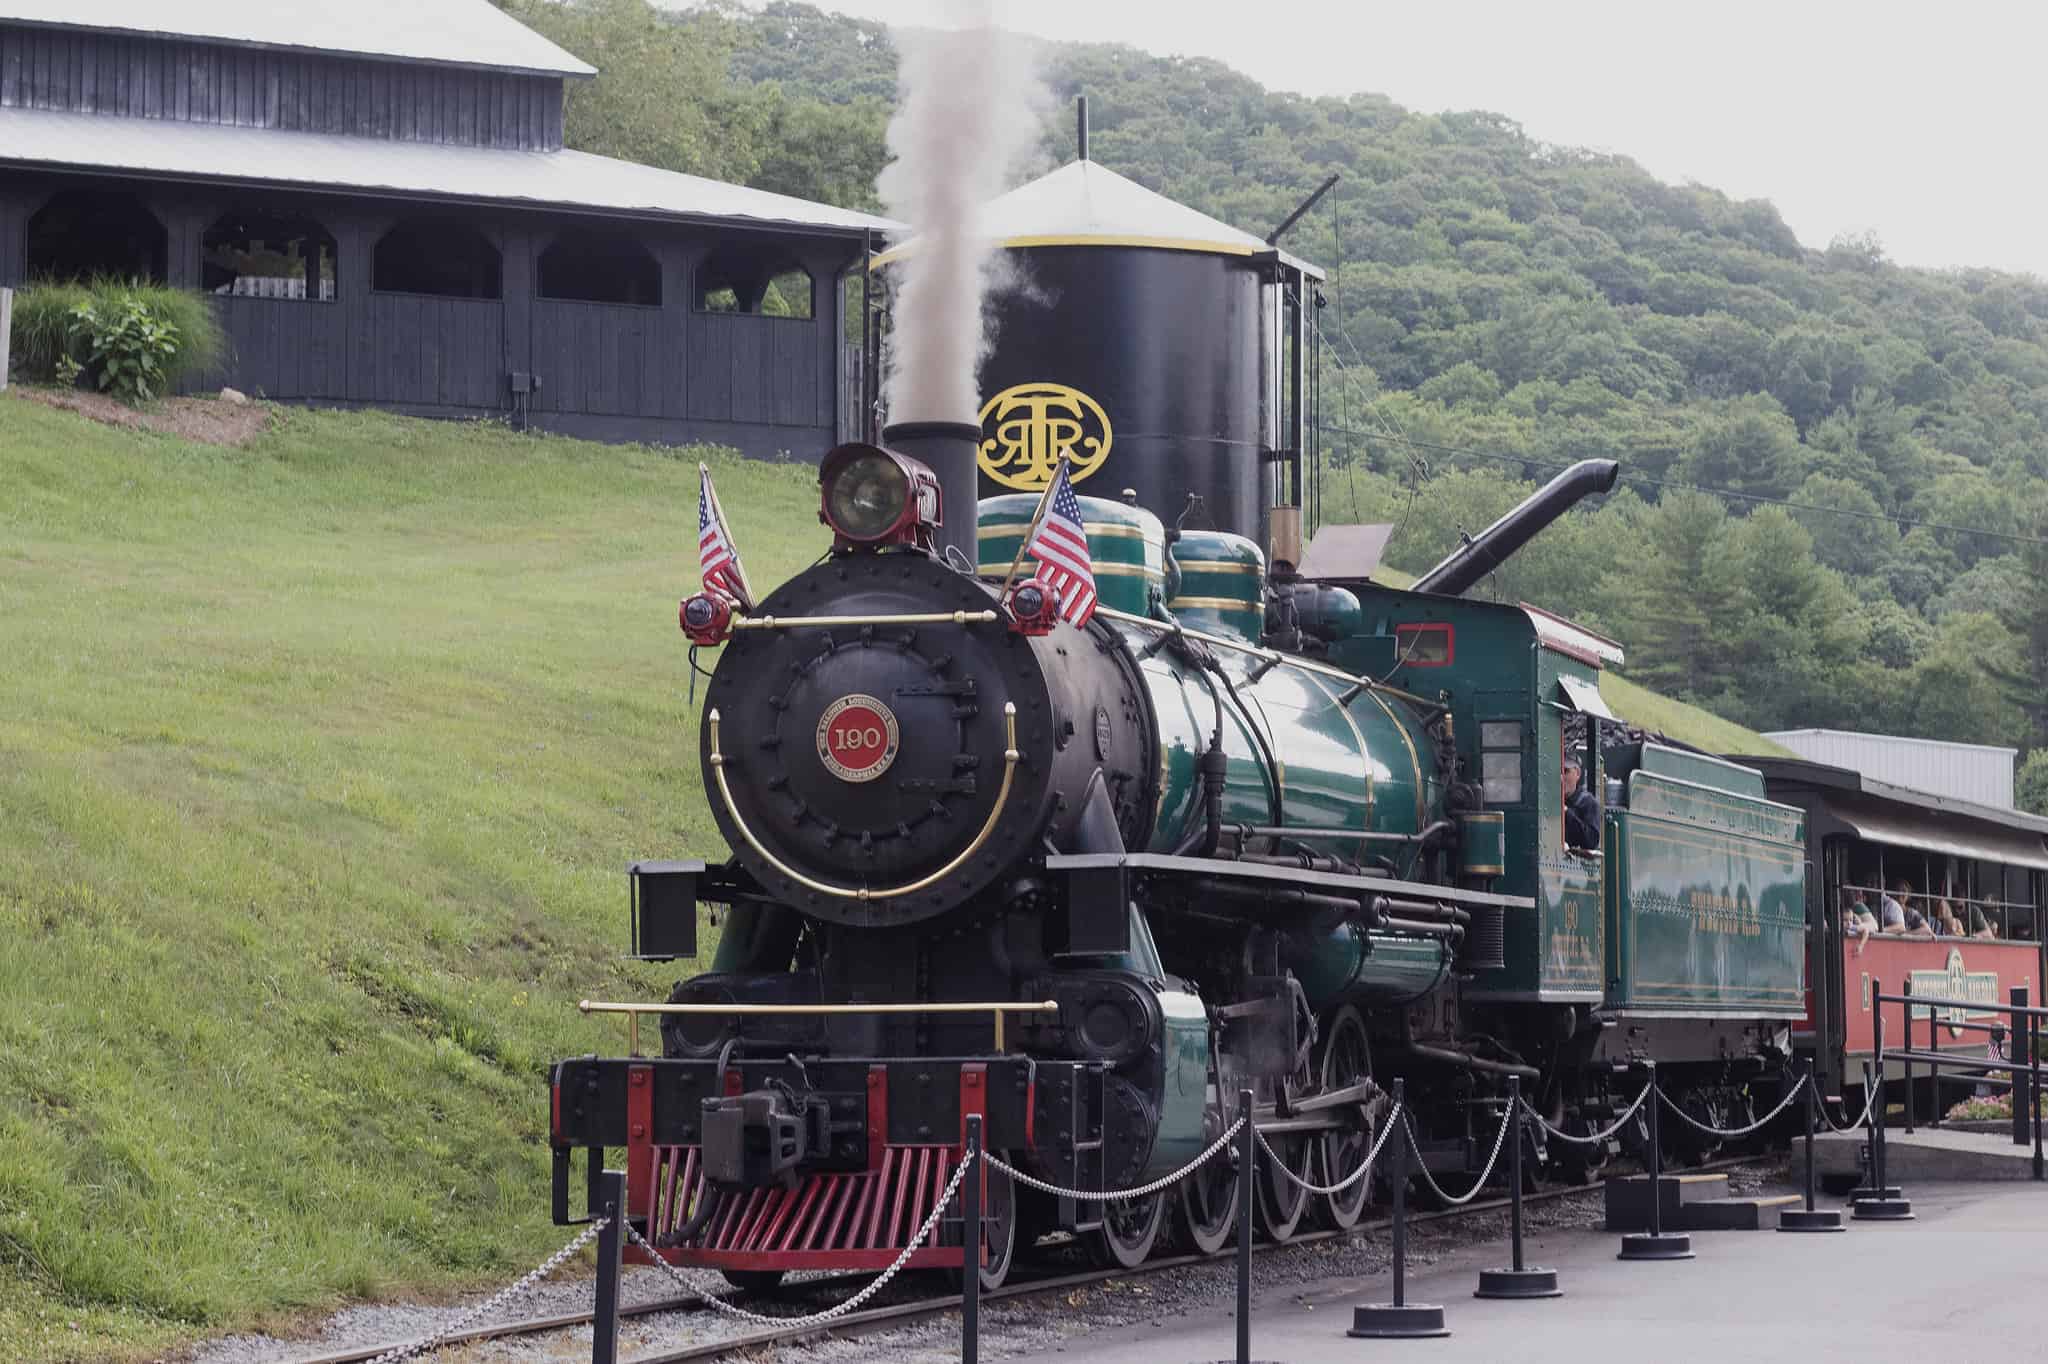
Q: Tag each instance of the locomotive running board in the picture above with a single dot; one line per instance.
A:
(1259, 874)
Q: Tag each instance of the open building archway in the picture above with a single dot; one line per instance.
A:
(441, 256)
(265, 254)
(85, 233)
(752, 279)
(599, 265)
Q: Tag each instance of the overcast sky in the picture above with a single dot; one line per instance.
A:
(1922, 122)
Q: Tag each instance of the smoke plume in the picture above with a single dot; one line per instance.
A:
(968, 107)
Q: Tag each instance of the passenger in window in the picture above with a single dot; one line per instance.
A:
(1581, 809)
(1946, 924)
(1857, 920)
(1898, 919)
(1980, 927)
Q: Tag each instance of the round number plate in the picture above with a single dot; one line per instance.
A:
(857, 738)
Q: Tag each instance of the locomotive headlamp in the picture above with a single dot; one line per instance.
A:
(706, 618)
(1034, 607)
(873, 496)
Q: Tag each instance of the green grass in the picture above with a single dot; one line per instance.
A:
(1646, 709)
(320, 761)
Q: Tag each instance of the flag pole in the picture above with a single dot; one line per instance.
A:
(1037, 518)
(739, 569)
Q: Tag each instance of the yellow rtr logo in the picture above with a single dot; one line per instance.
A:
(1026, 429)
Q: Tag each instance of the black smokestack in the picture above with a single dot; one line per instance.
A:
(1492, 547)
(1081, 124)
(947, 449)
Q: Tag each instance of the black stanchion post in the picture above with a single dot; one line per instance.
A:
(1247, 1190)
(1399, 1318)
(1933, 1067)
(611, 1251)
(1656, 1245)
(2022, 1080)
(2034, 1085)
(970, 1246)
(1518, 1281)
(1810, 1218)
(1906, 1012)
(1888, 1203)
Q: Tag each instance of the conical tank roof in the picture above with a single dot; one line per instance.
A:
(1084, 203)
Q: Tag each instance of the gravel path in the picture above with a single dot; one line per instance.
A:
(1013, 1327)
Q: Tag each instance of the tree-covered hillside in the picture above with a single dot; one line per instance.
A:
(1497, 306)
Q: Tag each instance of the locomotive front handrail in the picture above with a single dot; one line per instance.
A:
(910, 618)
(866, 893)
(996, 1007)
(1268, 656)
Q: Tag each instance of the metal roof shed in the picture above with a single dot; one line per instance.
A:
(464, 33)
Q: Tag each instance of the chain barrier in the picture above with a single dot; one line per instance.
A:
(1340, 1186)
(1869, 1098)
(1731, 1133)
(1595, 1137)
(830, 1313)
(494, 1302)
(1112, 1195)
(1422, 1166)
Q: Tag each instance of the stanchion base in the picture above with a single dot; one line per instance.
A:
(1385, 1321)
(1884, 1210)
(1820, 1219)
(1518, 1283)
(1867, 1194)
(1670, 1245)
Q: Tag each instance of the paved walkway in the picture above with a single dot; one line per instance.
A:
(1929, 1154)
(1963, 1282)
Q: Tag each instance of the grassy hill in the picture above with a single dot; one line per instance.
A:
(319, 763)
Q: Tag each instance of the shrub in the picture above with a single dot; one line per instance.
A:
(41, 335)
(130, 338)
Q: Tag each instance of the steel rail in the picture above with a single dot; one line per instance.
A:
(875, 1318)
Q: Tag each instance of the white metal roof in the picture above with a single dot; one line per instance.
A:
(576, 180)
(1085, 203)
(458, 32)
(1569, 637)
(1983, 842)
(1780, 735)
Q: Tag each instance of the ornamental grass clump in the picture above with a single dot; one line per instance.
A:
(127, 338)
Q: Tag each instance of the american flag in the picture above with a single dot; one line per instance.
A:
(1060, 545)
(716, 556)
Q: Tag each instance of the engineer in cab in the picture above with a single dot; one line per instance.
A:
(1581, 809)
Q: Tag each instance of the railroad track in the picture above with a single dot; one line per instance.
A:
(903, 1313)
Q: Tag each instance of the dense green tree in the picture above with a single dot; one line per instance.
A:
(1746, 445)
(1851, 535)
(663, 94)
(2030, 783)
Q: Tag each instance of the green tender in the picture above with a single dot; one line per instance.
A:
(1706, 900)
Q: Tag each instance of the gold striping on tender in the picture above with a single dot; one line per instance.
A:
(1107, 530)
(1097, 566)
(1213, 604)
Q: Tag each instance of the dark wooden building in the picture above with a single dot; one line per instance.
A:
(377, 195)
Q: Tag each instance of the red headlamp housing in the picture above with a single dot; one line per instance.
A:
(706, 618)
(1034, 607)
(874, 497)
